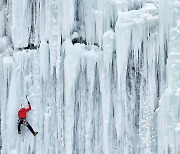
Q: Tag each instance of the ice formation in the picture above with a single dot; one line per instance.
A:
(102, 76)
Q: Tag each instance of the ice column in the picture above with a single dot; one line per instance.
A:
(168, 113)
(137, 67)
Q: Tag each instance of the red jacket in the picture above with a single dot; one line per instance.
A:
(22, 112)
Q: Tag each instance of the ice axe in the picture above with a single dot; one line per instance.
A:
(27, 99)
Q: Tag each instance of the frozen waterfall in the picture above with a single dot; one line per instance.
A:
(102, 76)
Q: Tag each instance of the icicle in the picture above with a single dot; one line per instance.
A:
(44, 61)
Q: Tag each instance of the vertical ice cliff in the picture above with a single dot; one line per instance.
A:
(137, 64)
(168, 119)
(102, 76)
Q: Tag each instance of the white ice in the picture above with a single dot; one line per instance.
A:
(102, 76)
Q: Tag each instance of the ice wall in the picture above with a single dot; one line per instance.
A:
(94, 72)
(137, 64)
(168, 113)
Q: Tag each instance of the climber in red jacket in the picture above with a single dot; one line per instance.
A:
(22, 119)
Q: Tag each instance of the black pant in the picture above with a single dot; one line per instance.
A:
(25, 123)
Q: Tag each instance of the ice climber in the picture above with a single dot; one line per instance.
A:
(22, 119)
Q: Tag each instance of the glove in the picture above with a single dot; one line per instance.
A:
(28, 102)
